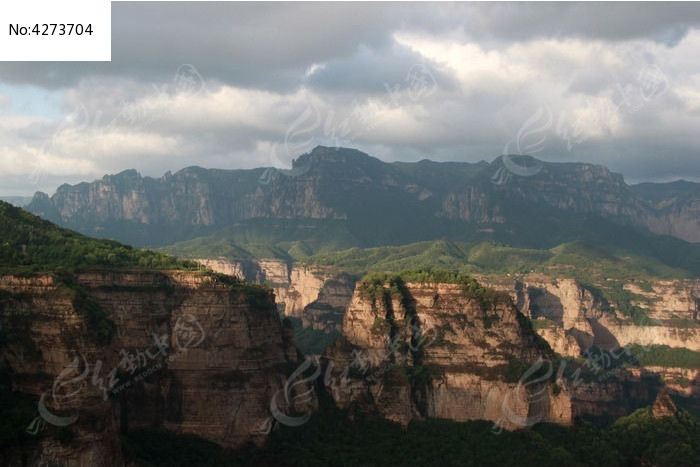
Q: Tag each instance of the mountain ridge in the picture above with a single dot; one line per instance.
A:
(376, 203)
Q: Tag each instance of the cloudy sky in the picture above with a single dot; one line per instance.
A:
(237, 85)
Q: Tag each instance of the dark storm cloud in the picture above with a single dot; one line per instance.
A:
(665, 22)
(270, 45)
(267, 45)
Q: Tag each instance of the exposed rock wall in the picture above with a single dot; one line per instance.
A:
(318, 296)
(186, 354)
(572, 320)
(195, 201)
(566, 314)
(680, 219)
(682, 381)
(664, 406)
(429, 350)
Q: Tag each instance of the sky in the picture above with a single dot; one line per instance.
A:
(242, 85)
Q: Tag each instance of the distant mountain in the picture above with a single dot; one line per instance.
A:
(678, 207)
(336, 198)
(19, 201)
(666, 193)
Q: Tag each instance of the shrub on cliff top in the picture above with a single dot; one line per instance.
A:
(259, 297)
(421, 275)
(374, 283)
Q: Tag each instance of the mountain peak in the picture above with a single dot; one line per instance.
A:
(326, 155)
(336, 152)
(125, 174)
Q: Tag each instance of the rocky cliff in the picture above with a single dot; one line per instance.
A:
(427, 349)
(678, 207)
(572, 317)
(372, 199)
(440, 350)
(107, 352)
(317, 295)
(664, 406)
(575, 320)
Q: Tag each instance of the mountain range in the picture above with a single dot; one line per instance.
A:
(334, 199)
(567, 262)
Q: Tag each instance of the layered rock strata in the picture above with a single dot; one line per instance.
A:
(434, 350)
(108, 352)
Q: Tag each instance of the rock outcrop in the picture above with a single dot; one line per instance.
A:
(436, 350)
(664, 406)
(348, 185)
(678, 204)
(108, 352)
(317, 295)
(572, 319)
(684, 382)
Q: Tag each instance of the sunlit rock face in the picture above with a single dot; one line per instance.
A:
(318, 296)
(664, 406)
(432, 350)
(572, 320)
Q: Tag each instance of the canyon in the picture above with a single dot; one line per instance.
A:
(571, 317)
(317, 295)
(197, 353)
(104, 351)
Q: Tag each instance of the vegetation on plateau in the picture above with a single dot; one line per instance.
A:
(663, 355)
(577, 260)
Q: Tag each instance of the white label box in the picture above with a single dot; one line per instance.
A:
(59, 30)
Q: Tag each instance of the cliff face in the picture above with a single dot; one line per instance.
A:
(678, 205)
(684, 382)
(565, 313)
(191, 196)
(370, 196)
(680, 220)
(431, 350)
(573, 188)
(316, 295)
(123, 350)
(571, 319)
